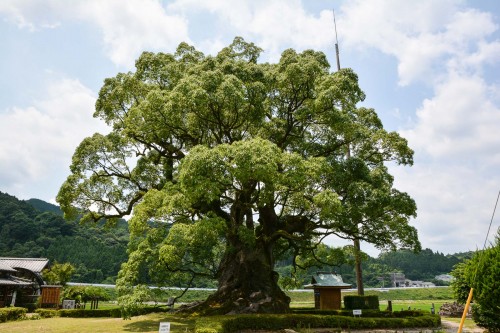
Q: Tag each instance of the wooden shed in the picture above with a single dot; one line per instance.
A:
(327, 290)
(50, 296)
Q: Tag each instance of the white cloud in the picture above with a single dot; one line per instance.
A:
(39, 139)
(130, 27)
(32, 15)
(127, 27)
(460, 121)
(272, 25)
(454, 201)
(422, 35)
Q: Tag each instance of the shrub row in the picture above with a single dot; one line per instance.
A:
(365, 313)
(30, 306)
(361, 302)
(83, 313)
(47, 313)
(14, 313)
(279, 322)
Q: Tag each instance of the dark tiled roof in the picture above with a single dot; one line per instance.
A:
(327, 280)
(35, 265)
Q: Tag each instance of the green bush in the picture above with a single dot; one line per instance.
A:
(361, 302)
(31, 307)
(205, 330)
(148, 310)
(486, 318)
(47, 313)
(366, 313)
(83, 313)
(481, 272)
(14, 313)
(409, 313)
(279, 322)
(114, 312)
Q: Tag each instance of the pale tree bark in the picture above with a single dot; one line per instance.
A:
(359, 269)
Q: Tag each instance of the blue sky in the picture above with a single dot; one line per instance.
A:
(429, 68)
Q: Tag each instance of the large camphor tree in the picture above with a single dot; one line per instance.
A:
(225, 163)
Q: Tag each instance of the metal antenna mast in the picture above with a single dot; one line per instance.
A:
(336, 41)
(356, 241)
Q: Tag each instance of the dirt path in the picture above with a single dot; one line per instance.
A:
(451, 326)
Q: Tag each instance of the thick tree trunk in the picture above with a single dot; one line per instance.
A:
(359, 270)
(247, 284)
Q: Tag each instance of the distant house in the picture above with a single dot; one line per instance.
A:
(421, 284)
(327, 287)
(398, 280)
(21, 280)
(444, 277)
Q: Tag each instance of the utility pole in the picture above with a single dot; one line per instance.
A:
(357, 245)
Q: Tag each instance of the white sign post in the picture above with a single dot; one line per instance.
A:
(356, 312)
(68, 304)
(164, 327)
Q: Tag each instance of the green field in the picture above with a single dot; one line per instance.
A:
(401, 298)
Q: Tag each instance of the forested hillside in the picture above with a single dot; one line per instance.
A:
(35, 228)
(424, 265)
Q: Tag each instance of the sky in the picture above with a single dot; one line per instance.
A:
(429, 68)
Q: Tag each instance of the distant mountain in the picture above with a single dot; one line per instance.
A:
(35, 228)
(43, 206)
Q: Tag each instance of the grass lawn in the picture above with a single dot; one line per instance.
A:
(147, 323)
(468, 324)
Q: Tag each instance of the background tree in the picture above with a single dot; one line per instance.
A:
(226, 163)
(84, 294)
(298, 271)
(372, 210)
(58, 273)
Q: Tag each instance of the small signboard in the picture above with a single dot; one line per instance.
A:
(356, 312)
(68, 304)
(164, 327)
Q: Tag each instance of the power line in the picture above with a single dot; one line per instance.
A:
(491, 222)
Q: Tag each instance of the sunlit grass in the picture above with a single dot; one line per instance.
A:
(147, 323)
(468, 323)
